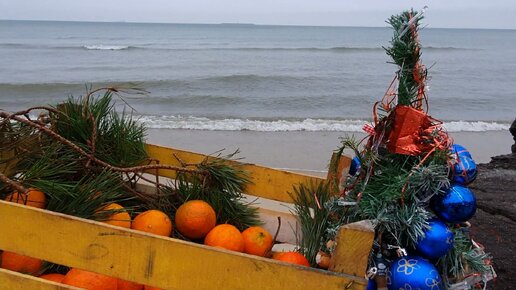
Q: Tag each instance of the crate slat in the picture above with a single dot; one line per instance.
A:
(266, 182)
(358, 236)
(17, 281)
(152, 260)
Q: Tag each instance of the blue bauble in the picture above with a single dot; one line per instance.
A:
(413, 272)
(354, 167)
(437, 242)
(464, 170)
(371, 285)
(457, 205)
(460, 151)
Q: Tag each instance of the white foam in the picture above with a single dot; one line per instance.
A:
(196, 123)
(200, 123)
(106, 47)
(474, 126)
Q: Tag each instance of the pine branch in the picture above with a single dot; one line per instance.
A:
(463, 258)
(82, 152)
(309, 207)
(94, 125)
(222, 187)
(83, 198)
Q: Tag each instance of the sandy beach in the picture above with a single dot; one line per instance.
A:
(308, 152)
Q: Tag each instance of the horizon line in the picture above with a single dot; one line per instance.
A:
(239, 24)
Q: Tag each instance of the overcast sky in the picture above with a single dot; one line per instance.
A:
(441, 13)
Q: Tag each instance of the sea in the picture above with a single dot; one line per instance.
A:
(256, 77)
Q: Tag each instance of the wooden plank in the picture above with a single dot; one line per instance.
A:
(148, 259)
(267, 182)
(353, 246)
(17, 281)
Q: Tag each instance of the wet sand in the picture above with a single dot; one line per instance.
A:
(309, 152)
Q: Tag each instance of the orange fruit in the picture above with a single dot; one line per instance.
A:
(20, 263)
(225, 236)
(119, 218)
(151, 288)
(53, 277)
(195, 218)
(33, 197)
(153, 221)
(89, 280)
(257, 241)
(291, 257)
(126, 285)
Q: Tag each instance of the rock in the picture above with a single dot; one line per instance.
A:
(494, 224)
(503, 161)
(513, 132)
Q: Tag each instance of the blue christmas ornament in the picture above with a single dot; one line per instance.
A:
(464, 170)
(371, 285)
(355, 166)
(412, 272)
(437, 242)
(460, 151)
(457, 205)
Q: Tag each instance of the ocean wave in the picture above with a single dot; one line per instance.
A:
(66, 87)
(474, 126)
(106, 47)
(314, 49)
(445, 48)
(199, 123)
(152, 84)
(69, 47)
(314, 125)
(337, 48)
(206, 47)
(239, 78)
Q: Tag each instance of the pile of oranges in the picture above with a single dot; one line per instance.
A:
(195, 220)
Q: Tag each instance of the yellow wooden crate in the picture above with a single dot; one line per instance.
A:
(170, 263)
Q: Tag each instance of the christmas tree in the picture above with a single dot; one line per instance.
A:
(410, 180)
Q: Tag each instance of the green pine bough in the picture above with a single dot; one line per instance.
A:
(86, 153)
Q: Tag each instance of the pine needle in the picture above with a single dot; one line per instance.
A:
(309, 207)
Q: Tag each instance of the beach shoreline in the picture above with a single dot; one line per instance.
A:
(304, 151)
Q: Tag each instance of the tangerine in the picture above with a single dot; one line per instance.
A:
(33, 197)
(257, 241)
(291, 257)
(127, 285)
(195, 218)
(53, 277)
(118, 218)
(89, 280)
(225, 236)
(153, 221)
(20, 263)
